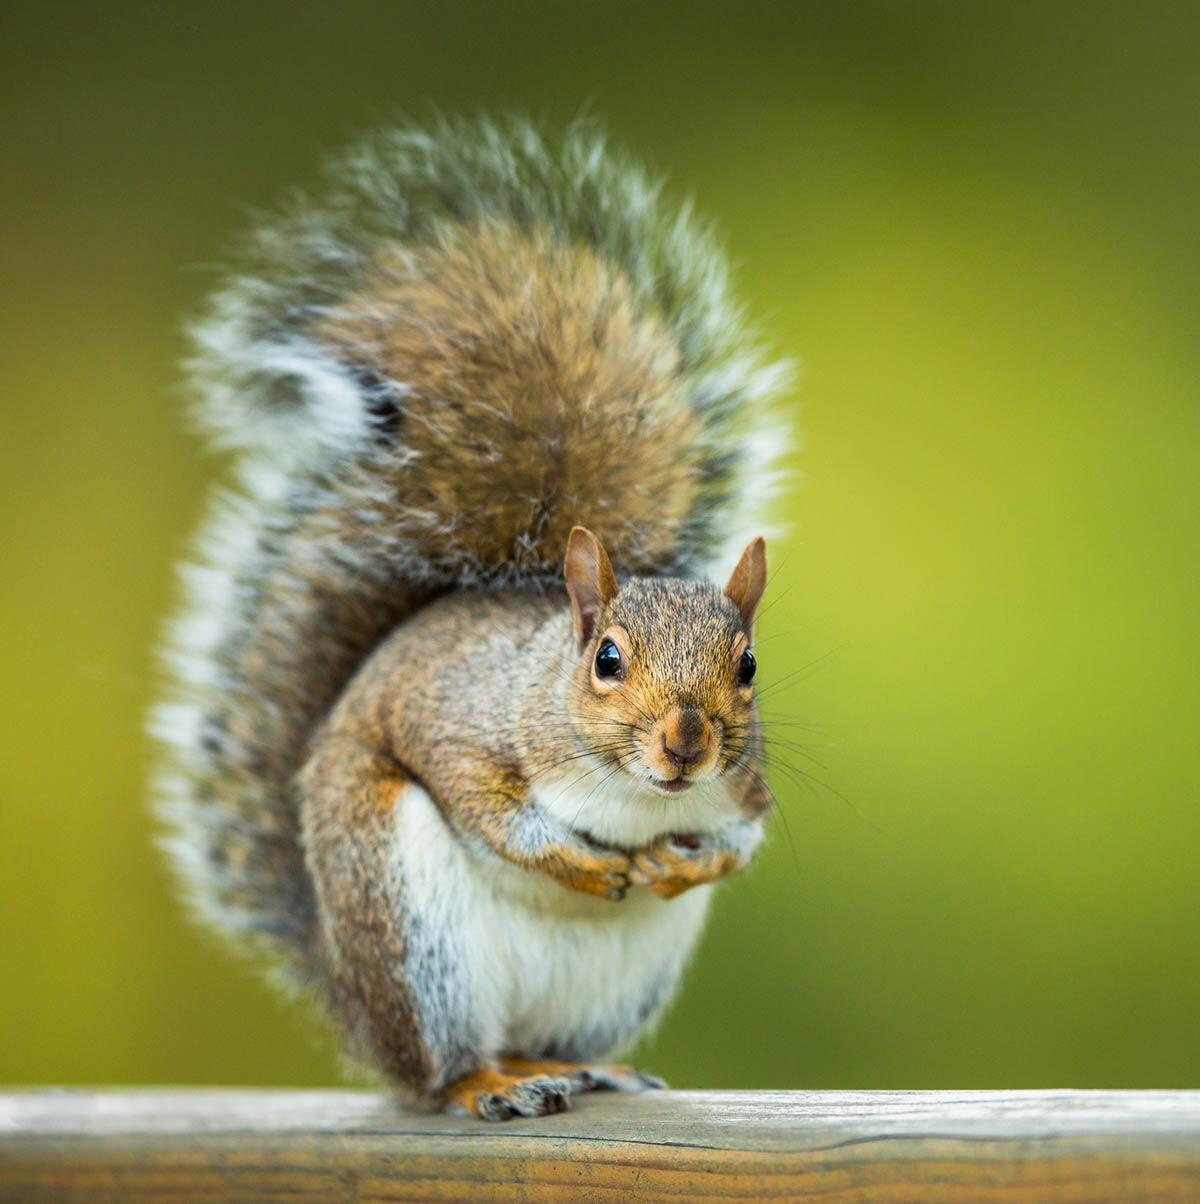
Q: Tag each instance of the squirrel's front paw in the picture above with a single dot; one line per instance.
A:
(673, 864)
(591, 869)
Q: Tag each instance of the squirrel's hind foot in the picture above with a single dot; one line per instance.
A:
(584, 1076)
(492, 1094)
(535, 1087)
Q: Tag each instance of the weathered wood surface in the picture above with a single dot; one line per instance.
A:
(922, 1146)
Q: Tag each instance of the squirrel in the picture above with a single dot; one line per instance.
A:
(478, 816)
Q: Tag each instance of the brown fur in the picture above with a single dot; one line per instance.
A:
(491, 322)
(350, 791)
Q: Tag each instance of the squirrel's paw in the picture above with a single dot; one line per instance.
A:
(584, 1076)
(673, 864)
(493, 1095)
(592, 869)
(617, 1078)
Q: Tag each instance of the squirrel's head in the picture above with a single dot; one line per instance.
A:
(664, 684)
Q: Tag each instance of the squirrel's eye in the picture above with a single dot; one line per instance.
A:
(746, 667)
(608, 659)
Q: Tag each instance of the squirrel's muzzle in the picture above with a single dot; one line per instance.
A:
(686, 743)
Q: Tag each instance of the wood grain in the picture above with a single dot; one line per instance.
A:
(926, 1146)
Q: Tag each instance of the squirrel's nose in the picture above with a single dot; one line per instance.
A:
(686, 735)
(682, 757)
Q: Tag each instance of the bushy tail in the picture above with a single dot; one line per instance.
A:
(472, 343)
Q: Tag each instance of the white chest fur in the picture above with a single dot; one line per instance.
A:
(620, 810)
(500, 960)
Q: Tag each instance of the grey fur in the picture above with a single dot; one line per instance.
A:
(436, 978)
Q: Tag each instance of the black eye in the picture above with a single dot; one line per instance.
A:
(746, 667)
(608, 659)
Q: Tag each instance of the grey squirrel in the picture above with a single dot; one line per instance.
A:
(478, 818)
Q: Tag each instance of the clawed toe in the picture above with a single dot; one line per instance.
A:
(491, 1093)
(525, 1097)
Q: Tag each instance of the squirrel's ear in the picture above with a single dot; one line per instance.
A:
(591, 582)
(748, 580)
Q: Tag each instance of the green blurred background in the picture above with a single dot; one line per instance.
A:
(975, 227)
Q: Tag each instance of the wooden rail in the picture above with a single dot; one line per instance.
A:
(925, 1146)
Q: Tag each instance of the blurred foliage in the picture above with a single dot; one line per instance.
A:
(974, 225)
